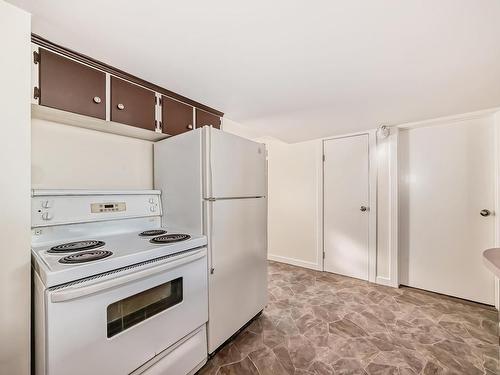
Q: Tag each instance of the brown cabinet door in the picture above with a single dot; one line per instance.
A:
(177, 117)
(71, 86)
(132, 104)
(205, 118)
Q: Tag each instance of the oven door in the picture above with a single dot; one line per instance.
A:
(114, 324)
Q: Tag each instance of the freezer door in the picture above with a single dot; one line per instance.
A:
(235, 166)
(238, 256)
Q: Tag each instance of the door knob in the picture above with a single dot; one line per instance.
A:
(120, 106)
(485, 212)
(363, 208)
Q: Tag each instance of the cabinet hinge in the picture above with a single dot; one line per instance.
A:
(36, 57)
(158, 126)
(36, 92)
(324, 158)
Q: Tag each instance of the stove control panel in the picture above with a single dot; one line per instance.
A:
(50, 208)
(108, 207)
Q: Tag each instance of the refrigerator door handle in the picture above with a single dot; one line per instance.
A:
(211, 231)
(210, 174)
(213, 199)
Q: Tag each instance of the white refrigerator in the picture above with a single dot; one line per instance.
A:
(215, 183)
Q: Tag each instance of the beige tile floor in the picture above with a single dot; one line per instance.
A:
(321, 323)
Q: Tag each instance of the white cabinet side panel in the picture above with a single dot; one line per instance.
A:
(178, 174)
(15, 185)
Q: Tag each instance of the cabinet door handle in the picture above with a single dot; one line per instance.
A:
(120, 106)
(96, 99)
(190, 126)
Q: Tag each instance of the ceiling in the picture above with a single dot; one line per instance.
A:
(296, 70)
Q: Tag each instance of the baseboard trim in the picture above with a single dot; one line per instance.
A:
(386, 281)
(294, 262)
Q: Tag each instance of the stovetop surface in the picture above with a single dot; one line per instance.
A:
(127, 248)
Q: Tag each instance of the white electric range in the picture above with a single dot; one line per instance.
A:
(114, 291)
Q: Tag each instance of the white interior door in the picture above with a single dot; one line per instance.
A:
(346, 206)
(447, 178)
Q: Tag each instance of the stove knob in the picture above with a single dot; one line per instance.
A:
(46, 204)
(46, 216)
(152, 208)
(151, 200)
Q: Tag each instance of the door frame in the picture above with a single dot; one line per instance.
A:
(372, 202)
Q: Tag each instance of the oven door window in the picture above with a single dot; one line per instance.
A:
(132, 310)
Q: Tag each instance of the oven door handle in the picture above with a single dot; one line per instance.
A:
(75, 291)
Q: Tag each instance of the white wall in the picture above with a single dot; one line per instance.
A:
(386, 156)
(67, 157)
(241, 130)
(383, 209)
(294, 193)
(15, 82)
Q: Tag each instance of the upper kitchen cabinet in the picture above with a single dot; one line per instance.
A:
(205, 118)
(74, 89)
(177, 117)
(132, 104)
(70, 86)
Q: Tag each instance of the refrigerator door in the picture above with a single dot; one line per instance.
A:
(237, 232)
(234, 166)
